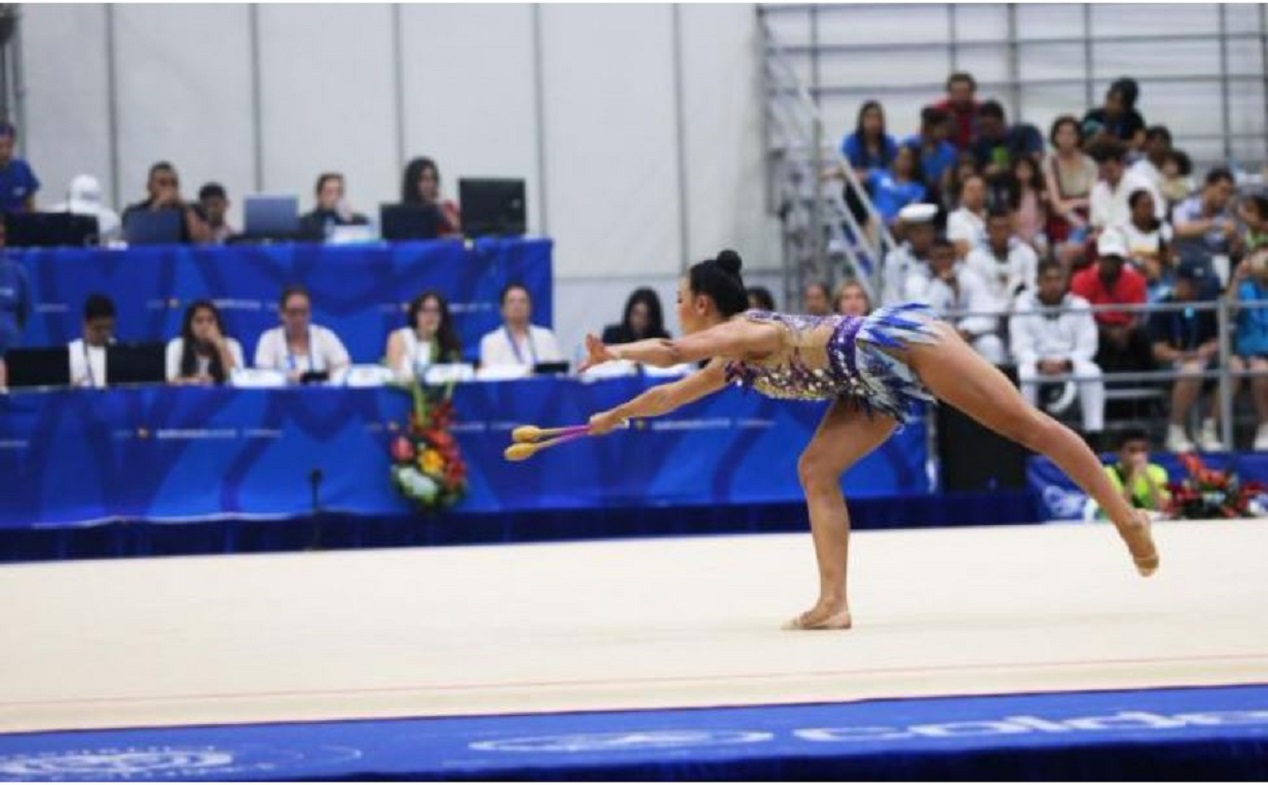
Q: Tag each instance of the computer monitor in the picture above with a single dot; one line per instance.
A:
(409, 221)
(153, 227)
(136, 363)
(492, 207)
(50, 230)
(43, 367)
(270, 217)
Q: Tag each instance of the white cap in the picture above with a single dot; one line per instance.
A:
(918, 213)
(1111, 243)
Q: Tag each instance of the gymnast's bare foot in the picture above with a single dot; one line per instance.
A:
(823, 616)
(1140, 542)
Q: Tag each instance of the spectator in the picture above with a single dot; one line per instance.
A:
(1121, 340)
(966, 226)
(202, 354)
(1253, 211)
(83, 197)
(1177, 178)
(18, 184)
(1029, 201)
(421, 185)
(164, 194)
(997, 143)
(1142, 484)
(1070, 175)
(214, 201)
(869, 147)
(1006, 263)
(1052, 332)
(852, 300)
(759, 298)
(1204, 225)
(518, 341)
(15, 305)
(964, 168)
(960, 296)
(1188, 342)
(902, 184)
(643, 318)
(1149, 244)
(961, 108)
(298, 347)
(1118, 118)
(332, 210)
(816, 299)
(937, 155)
(1250, 287)
(1157, 147)
(1109, 195)
(427, 338)
(908, 264)
(88, 353)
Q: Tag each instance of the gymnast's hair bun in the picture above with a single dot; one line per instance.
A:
(730, 262)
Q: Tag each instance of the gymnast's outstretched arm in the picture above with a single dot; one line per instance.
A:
(664, 398)
(735, 339)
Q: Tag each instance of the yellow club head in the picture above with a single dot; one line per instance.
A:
(526, 433)
(519, 452)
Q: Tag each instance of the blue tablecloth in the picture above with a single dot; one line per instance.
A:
(357, 290)
(170, 454)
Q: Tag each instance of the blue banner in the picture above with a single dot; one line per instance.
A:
(359, 291)
(73, 457)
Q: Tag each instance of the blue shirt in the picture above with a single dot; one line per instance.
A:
(856, 152)
(17, 182)
(1252, 323)
(933, 162)
(891, 195)
(15, 302)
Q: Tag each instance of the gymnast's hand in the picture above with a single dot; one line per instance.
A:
(604, 422)
(597, 354)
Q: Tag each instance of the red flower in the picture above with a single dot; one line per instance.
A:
(402, 450)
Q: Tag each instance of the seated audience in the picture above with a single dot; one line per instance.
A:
(962, 170)
(299, 347)
(518, 341)
(961, 108)
(1177, 178)
(1006, 264)
(1118, 119)
(1028, 199)
(1204, 223)
(1070, 175)
(1157, 147)
(1122, 342)
(88, 353)
(421, 185)
(936, 155)
(1117, 183)
(1051, 332)
(202, 354)
(894, 188)
(911, 257)
(1250, 287)
(868, 148)
(18, 183)
(759, 298)
(83, 197)
(960, 296)
(966, 226)
(1253, 212)
(1188, 342)
(163, 187)
(997, 143)
(1142, 484)
(1149, 244)
(331, 210)
(816, 300)
(852, 300)
(214, 201)
(643, 319)
(427, 338)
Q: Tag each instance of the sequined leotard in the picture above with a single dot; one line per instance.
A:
(826, 357)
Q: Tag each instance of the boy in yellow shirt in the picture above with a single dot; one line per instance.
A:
(1142, 484)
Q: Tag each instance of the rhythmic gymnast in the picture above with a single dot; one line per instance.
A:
(872, 369)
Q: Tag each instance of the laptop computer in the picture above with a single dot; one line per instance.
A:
(50, 230)
(42, 367)
(268, 217)
(136, 363)
(409, 221)
(153, 227)
(492, 207)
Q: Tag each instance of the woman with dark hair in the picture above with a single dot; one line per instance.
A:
(1070, 174)
(759, 297)
(868, 148)
(427, 338)
(421, 185)
(873, 369)
(298, 348)
(643, 319)
(202, 354)
(1028, 198)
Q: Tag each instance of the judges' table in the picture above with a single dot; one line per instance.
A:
(357, 290)
(170, 454)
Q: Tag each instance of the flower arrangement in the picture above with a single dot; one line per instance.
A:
(427, 468)
(1208, 493)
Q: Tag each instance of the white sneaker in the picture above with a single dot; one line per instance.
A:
(1261, 437)
(1209, 437)
(1177, 440)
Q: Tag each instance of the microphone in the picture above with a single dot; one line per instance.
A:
(314, 481)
